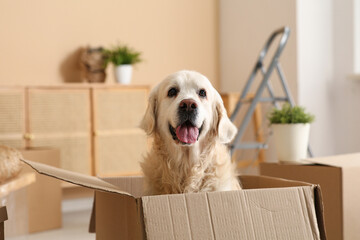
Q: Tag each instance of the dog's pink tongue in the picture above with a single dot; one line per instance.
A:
(187, 134)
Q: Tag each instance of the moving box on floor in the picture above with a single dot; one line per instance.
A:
(14, 195)
(3, 218)
(267, 208)
(44, 196)
(339, 179)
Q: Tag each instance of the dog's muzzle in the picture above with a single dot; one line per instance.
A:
(186, 132)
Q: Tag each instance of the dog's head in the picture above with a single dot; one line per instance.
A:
(184, 108)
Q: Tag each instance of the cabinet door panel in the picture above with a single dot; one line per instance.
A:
(61, 118)
(120, 154)
(119, 108)
(12, 117)
(119, 143)
(74, 154)
(56, 110)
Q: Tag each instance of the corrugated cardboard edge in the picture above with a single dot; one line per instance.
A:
(273, 181)
(74, 178)
(319, 208)
(140, 212)
(92, 225)
(342, 161)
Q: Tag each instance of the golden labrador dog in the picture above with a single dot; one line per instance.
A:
(190, 127)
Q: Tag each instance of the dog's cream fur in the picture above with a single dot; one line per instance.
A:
(172, 167)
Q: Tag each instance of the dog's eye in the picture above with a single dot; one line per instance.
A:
(172, 92)
(202, 93)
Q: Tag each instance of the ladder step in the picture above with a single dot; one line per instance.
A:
(278, 99)
(250, 145)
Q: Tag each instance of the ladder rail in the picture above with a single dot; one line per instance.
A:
(244, 93)
(265, 83)
(259, 63)
(285, 31)
(284, 85)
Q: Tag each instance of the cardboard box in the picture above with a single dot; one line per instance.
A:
(14, 195)
(3, 218)
(44, 196)
(268, 208)
(339, 178)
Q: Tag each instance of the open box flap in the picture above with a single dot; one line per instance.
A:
(74, 178)
(255, 182)
(342, 161)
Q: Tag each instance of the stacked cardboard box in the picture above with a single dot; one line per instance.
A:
(44, 196)
(267, 208)
(14, 195)
(339, 179)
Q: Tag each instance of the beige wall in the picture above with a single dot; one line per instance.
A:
(40, 39)
(244, 28)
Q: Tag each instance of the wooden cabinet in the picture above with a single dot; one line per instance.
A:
(61, 118)
(118, 141)
(94, 126)
(12, 116)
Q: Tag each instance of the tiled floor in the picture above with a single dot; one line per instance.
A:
(76, 216)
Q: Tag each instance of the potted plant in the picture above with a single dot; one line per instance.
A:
(291, 127)
(123, 59)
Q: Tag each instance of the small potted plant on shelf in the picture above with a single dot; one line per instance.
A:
(123, 58)
(291, 127)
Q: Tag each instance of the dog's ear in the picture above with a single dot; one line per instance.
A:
(226, 130)
(148, 122)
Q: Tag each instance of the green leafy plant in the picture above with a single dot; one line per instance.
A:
(121, 54)
(289, 115)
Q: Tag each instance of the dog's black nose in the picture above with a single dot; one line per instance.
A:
(188, 105)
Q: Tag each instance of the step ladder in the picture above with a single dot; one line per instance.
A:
(265, 84)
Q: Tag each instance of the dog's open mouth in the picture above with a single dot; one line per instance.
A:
(185, 133)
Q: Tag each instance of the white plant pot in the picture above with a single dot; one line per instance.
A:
(291, 141)
(123, 73)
